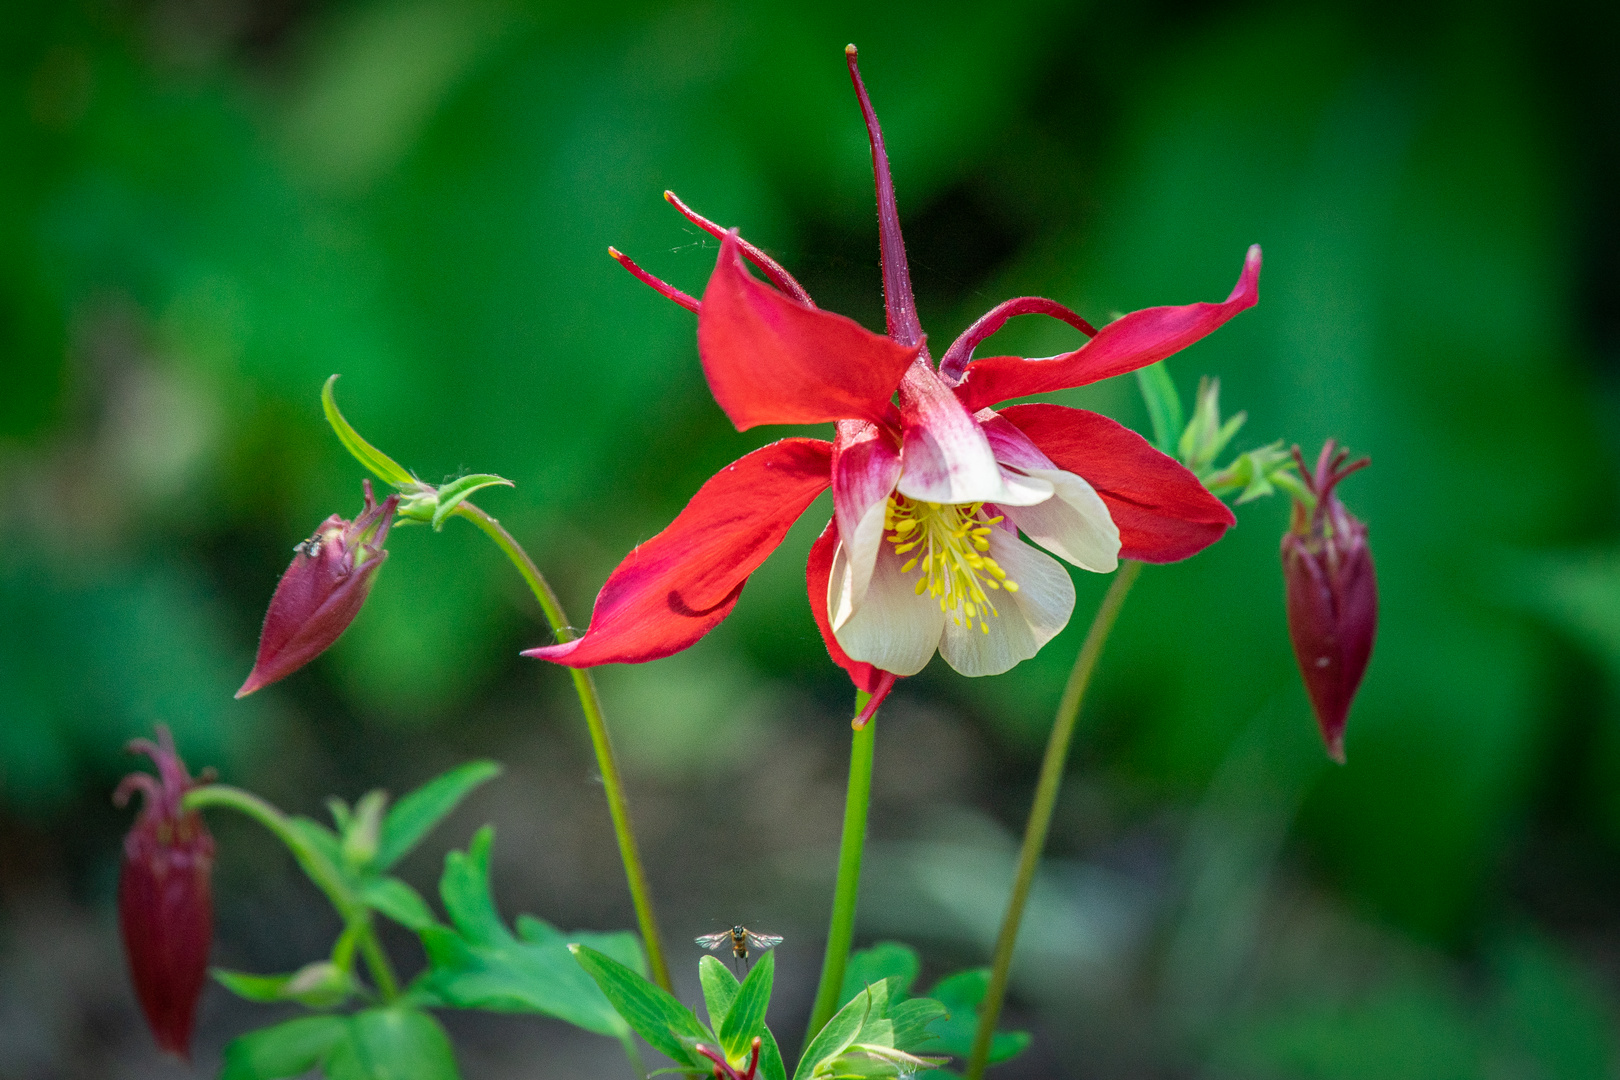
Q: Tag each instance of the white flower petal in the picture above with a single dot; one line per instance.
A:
(892, 627)
(1075, 524)
(853, 565)
(1028, 618)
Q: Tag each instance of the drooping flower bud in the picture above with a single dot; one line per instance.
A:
(1332, 593)
(165, 903)
(321, 592)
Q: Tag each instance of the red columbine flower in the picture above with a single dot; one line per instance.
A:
(1332, 593)
(165, 905)
(931, 486)
(321, 592)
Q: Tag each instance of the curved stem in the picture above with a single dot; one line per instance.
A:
(606, 763)
(326, 876)
(842, 931)
(1040, 814)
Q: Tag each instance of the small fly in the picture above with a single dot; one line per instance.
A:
(741, 939)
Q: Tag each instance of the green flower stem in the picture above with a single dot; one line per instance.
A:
(606, 763)
(1040, 814)
(327, 877)
(841, 934)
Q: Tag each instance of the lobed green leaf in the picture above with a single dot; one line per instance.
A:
(885, 960)
(286, 1050)
(398, 901)
(415, 815)
(392, 1044)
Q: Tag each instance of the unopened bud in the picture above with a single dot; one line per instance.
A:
(165, 902)
(321, 592)
(1332, 593)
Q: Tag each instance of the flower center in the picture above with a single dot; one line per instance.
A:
(952, 542)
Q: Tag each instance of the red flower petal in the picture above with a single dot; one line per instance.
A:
(772, 360)
(679, 585)
(1134, 341)
(817, 571)
(1164, 514)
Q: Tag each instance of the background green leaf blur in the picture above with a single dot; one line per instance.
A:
(207, 207)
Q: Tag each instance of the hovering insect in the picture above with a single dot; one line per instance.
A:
(741, 939)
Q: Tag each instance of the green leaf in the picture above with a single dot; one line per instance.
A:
(962, 994)
(378, 462)
(668, 1026)
(911, 1023)
(746, 1018)
(321, 985)
(417, 813)
(1163, 405)
(719, 989)
(884, 960)
(843, 1029)
(392, 1044)
(397, 900)
(477, 963)
(286, 1050)
(771, 1066)
(455, 493)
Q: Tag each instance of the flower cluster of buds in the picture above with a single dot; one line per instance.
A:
(165, 902)
(1332, 592)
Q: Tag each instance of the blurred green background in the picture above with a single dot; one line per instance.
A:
(209, 206)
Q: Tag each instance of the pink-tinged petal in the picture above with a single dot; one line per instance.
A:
(944, 455)
(1164, 514)
(1074, 523)
(772, 360)
(893, 628)
(866, 466)
(956, 358)
(679, 585)
(817, 573)
(1133, 341)
(1028, 618)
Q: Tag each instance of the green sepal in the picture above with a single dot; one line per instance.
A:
(286, 1050)
(385, 467)
(1163, 405)
(361, 831)
(1257, 473)
(719, 989)
(746, 1017)
(415, 815)
(477, 963)
(321, 985)
(667, 1026)
(455, 493)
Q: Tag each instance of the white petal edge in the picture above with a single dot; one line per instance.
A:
(1029, 618)
(1074, 525)
(892, 627)
(860, 558)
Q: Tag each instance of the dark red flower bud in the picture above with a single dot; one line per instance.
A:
(165, 904)
(1332, 593)
(321, 592)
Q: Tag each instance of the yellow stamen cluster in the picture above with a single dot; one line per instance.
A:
(952, 561)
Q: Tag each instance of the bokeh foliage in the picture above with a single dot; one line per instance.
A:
(206, 209)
